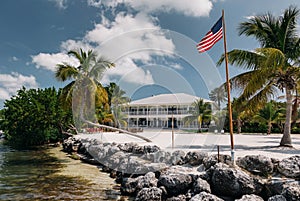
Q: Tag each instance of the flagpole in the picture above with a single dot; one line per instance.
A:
(228, 91)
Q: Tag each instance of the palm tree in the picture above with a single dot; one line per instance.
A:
(86, 75)
(269, 115)
(201, 112)
(218, 95)
(269, 68)
(85, 85)
(116, 97)
(85, 92)
(241, 113)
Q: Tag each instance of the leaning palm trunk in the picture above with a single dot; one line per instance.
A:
(116, 129)
(286, 138)
(86, 98)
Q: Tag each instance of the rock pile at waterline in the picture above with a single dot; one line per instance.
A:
(149, 173)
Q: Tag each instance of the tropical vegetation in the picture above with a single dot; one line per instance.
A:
(268, 115)
(34, 117)
(218, 95)
(85, 85)
(201, 112)
(272, 67)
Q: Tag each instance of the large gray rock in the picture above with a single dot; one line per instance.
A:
(162, 157)
(71, 144)
(290, 167)
(178, 198)
(134, 185)
(195, 158)
(177, 157)
(251, 197)
(232, 181)
(203, 196)
(175, 184)
(201, 185)
(128, 147)
(151, 149)
(213, 159)
(292, 192)
(257, 164)
(278, 186)
(101, 151)
(149, 194)
(138, 149)
(113, 162)
(134, 165)
(277, 198)
(147, 181)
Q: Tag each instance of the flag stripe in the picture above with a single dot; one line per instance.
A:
(204, 46)
(212, 37)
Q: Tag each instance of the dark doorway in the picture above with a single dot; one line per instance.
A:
(170, 122)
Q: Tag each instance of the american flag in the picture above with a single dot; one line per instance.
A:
(213, 36)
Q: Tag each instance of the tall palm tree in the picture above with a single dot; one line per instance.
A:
(85, 85)
(271, 67)
(86, 74)
(218, 95)
(201, 112)
(85, 92)
(116, 95)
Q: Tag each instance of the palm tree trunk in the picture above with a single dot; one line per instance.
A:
(269, 128)
(239, 125)
(82, 107)
(286, 138)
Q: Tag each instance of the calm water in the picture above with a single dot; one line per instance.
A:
(41, 175)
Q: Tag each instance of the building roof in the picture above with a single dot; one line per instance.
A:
(168, 99)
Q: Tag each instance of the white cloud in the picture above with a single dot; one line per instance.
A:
(110, 3)
(10, 83)
(126, 70)
(128, 40)
(68, 45)
(49, 61)
(191, 8)
(14, 58)
(61, 4)
(137, 37)
(194, 8)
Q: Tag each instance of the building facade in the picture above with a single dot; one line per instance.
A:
(160, 111)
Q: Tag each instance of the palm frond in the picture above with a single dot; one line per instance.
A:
(245, 59)
(65, 72)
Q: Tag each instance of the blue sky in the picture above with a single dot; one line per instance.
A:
(152, 42)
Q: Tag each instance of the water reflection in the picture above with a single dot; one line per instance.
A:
(35, 175)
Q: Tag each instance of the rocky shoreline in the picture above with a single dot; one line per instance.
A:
(148, 173)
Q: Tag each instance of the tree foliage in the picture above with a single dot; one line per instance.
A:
(84, 94)
(270, 114)
(201, 112)
(272, 66)
(218, 95)
(34, 117)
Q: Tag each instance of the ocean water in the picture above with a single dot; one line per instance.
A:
(48, 174)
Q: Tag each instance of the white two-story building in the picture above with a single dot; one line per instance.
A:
(159, 110)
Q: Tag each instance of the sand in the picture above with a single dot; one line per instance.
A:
(244, 144)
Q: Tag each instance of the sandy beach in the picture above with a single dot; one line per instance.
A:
(245, 144)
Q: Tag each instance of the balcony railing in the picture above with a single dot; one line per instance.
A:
(157, 112)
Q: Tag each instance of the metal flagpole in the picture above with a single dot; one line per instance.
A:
(228, 91)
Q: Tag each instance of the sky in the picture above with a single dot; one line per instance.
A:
(152, 42)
